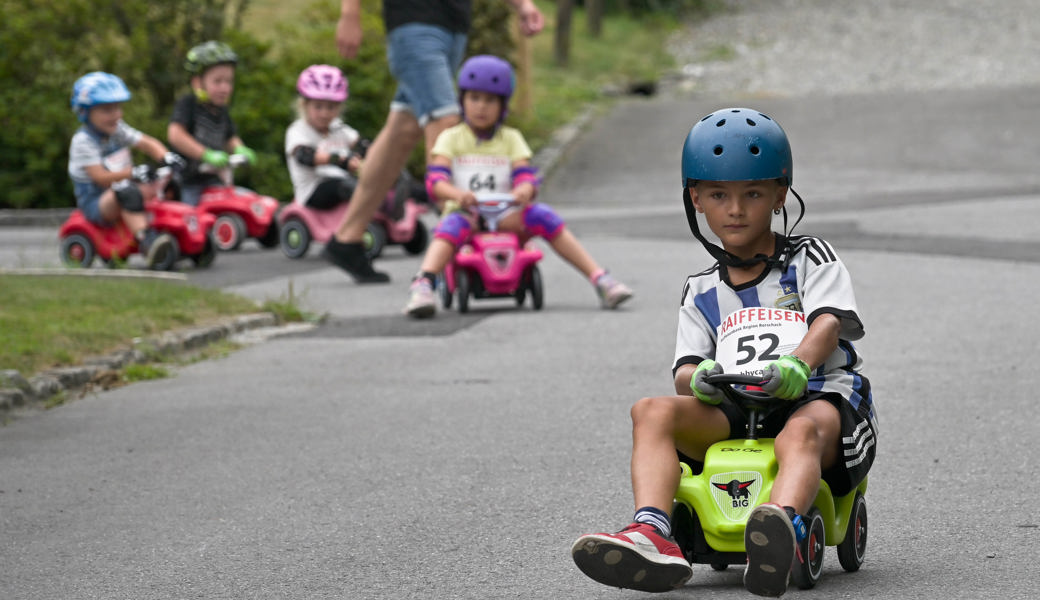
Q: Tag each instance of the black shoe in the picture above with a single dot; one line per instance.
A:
(351, 258)
(159, 250)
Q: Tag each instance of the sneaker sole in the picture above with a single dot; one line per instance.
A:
(617, 301)
(769, 541)
(421, 312)
(614, 563)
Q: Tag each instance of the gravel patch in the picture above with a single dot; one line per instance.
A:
(784, 48)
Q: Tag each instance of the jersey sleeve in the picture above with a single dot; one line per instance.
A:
(126, 135)
(182, 112)
(446, 143)
(517, 145)
(828, 289)
(695, 337)
(83, 152)
(294, 137)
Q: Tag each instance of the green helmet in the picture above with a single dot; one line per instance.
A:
(209, 54)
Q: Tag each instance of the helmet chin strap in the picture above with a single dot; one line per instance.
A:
(732, 260)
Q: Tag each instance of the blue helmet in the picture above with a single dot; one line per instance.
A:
(736, 144)
(97, 88)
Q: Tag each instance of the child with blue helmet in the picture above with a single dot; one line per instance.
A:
(101, 165)
(737, 172)
(201, 129)
(483, 154)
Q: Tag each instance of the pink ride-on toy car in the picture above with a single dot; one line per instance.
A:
(299, 225)
(493, 264)
(82, 241)
(240, 213)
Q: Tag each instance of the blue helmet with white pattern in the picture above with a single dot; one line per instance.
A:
(97, 88)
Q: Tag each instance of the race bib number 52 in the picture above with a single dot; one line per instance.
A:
(751, 338)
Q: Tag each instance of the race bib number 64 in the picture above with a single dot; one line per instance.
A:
(751, 338)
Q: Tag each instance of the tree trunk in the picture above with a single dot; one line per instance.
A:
(594, 16)
(562, 45)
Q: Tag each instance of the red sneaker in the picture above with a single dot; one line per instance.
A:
(637, 558)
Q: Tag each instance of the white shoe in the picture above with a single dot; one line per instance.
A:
(611, 291)
(423, 302)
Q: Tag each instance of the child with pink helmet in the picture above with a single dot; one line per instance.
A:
(319, 145)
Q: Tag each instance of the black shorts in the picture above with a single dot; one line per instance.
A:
(330, 193)
(858, 438)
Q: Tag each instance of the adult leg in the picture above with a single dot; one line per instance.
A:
(383, 163)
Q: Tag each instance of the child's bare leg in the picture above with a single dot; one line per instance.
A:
(571, 250)
(659, 426)
(807, 445)
(564, 244)
(437, 256)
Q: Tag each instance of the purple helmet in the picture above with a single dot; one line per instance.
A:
(323, 82)
(486, 73)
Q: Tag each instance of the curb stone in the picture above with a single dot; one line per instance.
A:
(17, 392)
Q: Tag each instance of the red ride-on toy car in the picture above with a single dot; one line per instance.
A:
(82, 241)
(240, 213)
(299, 225)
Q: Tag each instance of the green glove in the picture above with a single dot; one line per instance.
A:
(706, 392)
(246, 152)
(787, 378)
(216, 158)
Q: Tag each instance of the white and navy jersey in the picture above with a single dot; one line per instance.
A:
(813, 282)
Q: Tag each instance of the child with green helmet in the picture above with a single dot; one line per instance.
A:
(737, 172)
(201, 129)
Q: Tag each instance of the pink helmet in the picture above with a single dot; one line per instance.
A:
(323, 82)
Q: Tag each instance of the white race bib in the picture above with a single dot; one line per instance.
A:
(751, 338)
(482, 173)
(118, 160)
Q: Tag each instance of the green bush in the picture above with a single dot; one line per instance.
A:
(48, 44)
(144, 43)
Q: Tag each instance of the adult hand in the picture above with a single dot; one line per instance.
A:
(348, 34)
(531, 19)
(787, 377)
(706, 392)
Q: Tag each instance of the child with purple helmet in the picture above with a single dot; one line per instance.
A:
(483, 154)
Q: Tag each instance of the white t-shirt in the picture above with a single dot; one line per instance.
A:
(112, 152)
(304, 178)
(814, 282)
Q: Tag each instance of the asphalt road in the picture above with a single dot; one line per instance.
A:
(376, 457)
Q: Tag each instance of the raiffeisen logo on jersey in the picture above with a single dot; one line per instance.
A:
(760, 315)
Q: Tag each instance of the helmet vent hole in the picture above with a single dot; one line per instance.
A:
(751, 123)
(754, 150)
(717, 150)
(721, 123)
